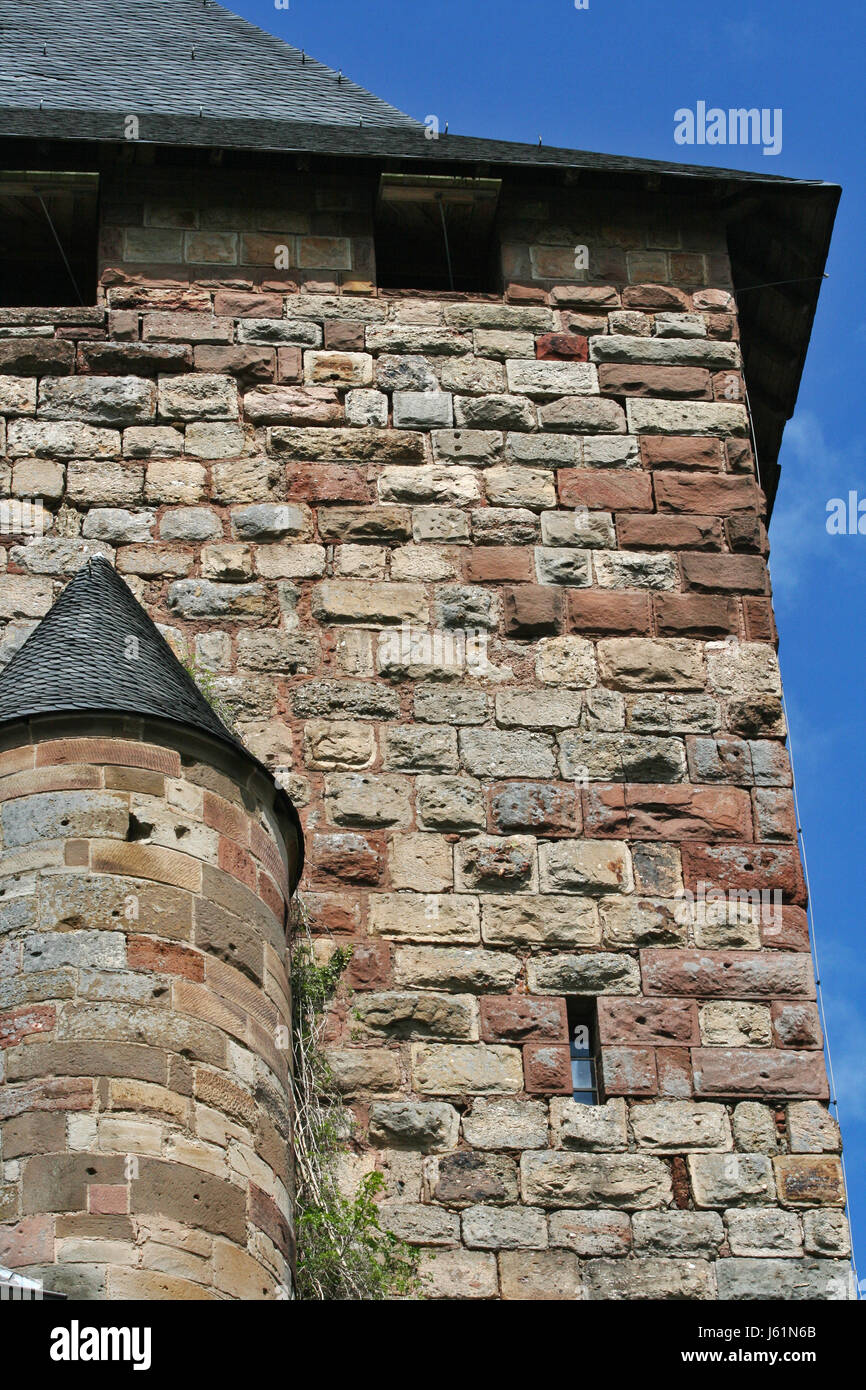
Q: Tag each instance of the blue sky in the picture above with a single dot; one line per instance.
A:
(609, 78)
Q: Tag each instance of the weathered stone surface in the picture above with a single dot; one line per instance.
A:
(590, 1128)
(724, 1180)
(650, 1278)
(558, 1179)
(598, 972)
(673, 1126)
(357, 798)
(539, 921)
(767, 1232)
(422, 1125)
(757, 1280)
(809, 1180)
(504, 1228)
(506, 1124)
(438, 1069)
(812, 1129)
(543, 1275)
(422, 1015)
(633, 663)
(585, 866)
(591, 1233)
(476, 970)
(415, 917)
(680, 1233)
(102, 400)
(460, 1274)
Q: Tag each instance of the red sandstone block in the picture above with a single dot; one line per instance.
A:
(339, 913)
(654, 297)
(342, 336)
(739, 455)
(692, 383)
(29, 1242)
(525, 294)
(682, 812)
(787, 931)
(739, 574)
(516, 1018)
(107, 1199)
(229, 820)
(605, 489)
(562, 347)
(238, 862)
(266, 1215)
(709, 496)
(16, 1024)
(746, 866)
(675, 1072)
(681, 451)
(267, 853)
(629, 1071)
(654, 532)
(796, 1025)
(604, 812)
(290, 365)
(344, 857)
(759, 621)
(164, 957)
(656, 1022)
(726, 974)
(251, 364)
(609, 612)
(585, 296)
(547, 1069)
(746, 534)
(688, 268)
(271, 895)
(532, 610)
(728, 386)
(108, 750)
(370, 966)
(758, 1071)
(327, 482)
(239, 304)
(720, 326)
(694, 615)
(492, 564)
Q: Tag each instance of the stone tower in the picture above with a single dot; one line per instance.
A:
(148, 859)
(438, 454)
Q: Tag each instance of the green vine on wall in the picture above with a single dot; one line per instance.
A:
(342, 1251)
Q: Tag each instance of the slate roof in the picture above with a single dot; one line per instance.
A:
(81, 658)
(169, 56)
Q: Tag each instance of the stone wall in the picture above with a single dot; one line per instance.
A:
(144, 1012)
(486, 582)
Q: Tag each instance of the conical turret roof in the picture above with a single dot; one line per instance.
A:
(97, 650)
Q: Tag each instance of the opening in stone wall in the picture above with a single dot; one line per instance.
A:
(583, 1049)
(48, 239)
(437, 233)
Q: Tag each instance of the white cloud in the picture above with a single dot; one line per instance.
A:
(813, 472)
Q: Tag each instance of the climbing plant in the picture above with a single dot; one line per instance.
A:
(342, 1250)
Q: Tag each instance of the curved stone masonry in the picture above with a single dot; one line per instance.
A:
(146, 1116)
